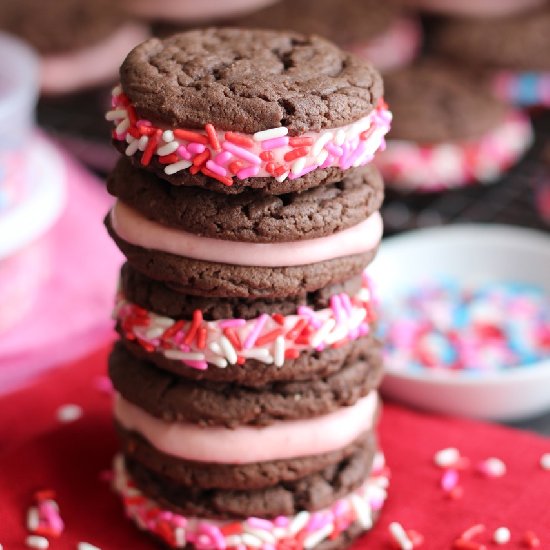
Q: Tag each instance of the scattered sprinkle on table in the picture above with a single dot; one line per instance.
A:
(492, 467)
(87, 546)
(35, 541)
(69, 413)
(502, 535)
(445, 326)
(545, 461)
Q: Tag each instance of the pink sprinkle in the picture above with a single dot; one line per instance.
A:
(199, 365)
(449, 480)
(104, 385)
(223, 158)
(281, 521)
(335, 150)
(232, 323)
(336, 306)
(216, 168)
(179, 521)
(363, 329)
(328, 162)
(318, 520)
(255, 332)
(310, 314)
(260, 523)
(241, 153)
(183, 152)
(274, 143)
(143, 122)
(249, 172)
(196, 148)
(340, 508)
(305, 171)
(346, 303)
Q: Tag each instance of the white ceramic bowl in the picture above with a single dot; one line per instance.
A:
(473, 255)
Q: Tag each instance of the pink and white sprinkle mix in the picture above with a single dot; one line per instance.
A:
(224, 155)
(43, 518)
(448, 327)
(305, 529)
(270, 339)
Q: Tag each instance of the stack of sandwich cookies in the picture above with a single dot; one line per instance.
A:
(246, 369)
(471, 137)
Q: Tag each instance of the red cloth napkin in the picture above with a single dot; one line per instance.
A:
(37, 451)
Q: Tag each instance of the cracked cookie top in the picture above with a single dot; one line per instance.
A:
(248, 81)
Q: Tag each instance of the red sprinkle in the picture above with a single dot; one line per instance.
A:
(296, 154)
(280, 170)
(212, 137)
(222, 179)
(189, 135)
(169, 159)
(146, 130)
(173, 330)
(201, 158)
(131, 114)
(463, 544)
(197, 321)
(237, 166)
(134, 132)
(267, 156)
(278, 318)
(240, 360)
(297, 329)
(473, 531)
(150, 149)
(233, 337)
(239, 139)
(270, 168)
(415, 537)
(195, 169)
(366, 134)
(201, 338)
(456, 493)
(269, 337)
(123, 99)
(291, 353)
(300, 141)
(44, 494)
(231, 528)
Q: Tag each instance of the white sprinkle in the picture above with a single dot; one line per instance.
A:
(86, 546)
(233, 540)
(179, 536)
(115, 114)
(282, 177)
(183, 355)
(33, 519)
(154, 332)
(315, 538)
(142, 143)
(132, 147)
(261, 354)
(262, 534)
(322, 333)
(446, 457)
(220, 362)
(228, 350)
(545, 461)
(492, 467)
(321, 157)
(34, 541)
(251, 540)
(298, 165)
(338, 334)
(69, 413)
(362, 511)
(279, 351)
(117, 90)
(164, 322)
(270, 134)
(320, 143)
(298, 523)
(340, 137)
(168, 148)
(167, 136)
(216, 348)
(123, 126)
(502, 535)
(399, 536)
(177, 167)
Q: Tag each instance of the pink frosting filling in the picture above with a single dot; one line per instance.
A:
(246, 444)
(138, 230)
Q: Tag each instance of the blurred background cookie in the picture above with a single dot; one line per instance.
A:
(474, 8)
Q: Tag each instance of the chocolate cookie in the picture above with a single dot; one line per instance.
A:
(172, 398)
(520, 42)
(359, 21)
(204, 76)
(159, 298)
(258, 475)
(62, 25)
(313, 492)
(448, 105)
(251, 216)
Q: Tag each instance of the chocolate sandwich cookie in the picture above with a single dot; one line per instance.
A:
(80, 43)
(510, 52)
(452, 134)
(173, 398)
(256, 475)
(187, 105)
(251, 216)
